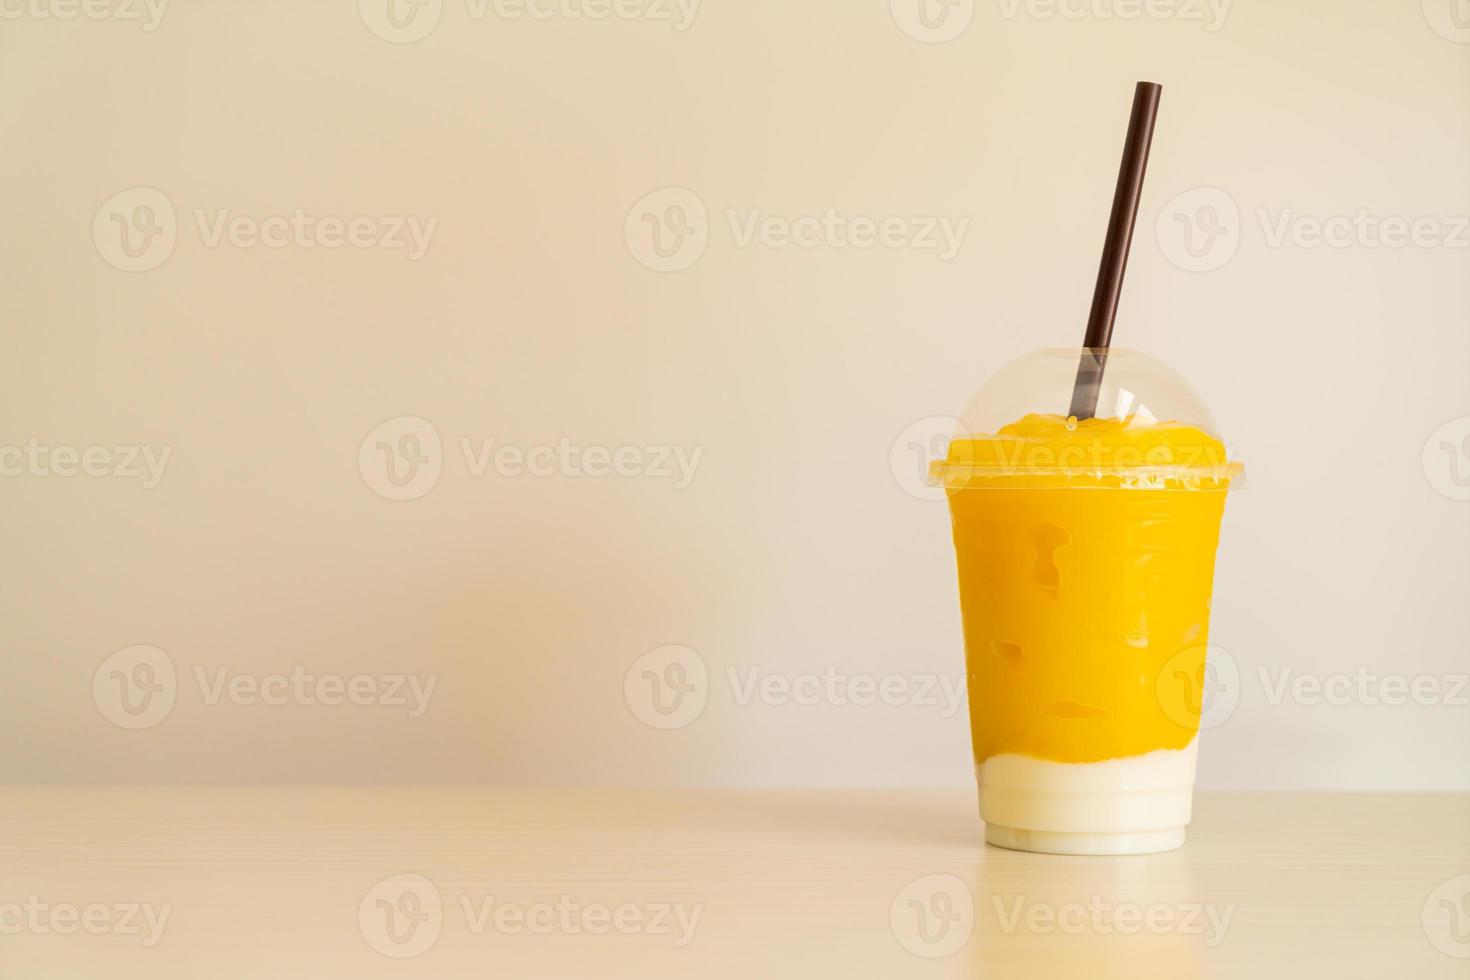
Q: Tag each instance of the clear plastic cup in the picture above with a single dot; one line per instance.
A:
(1086, 553)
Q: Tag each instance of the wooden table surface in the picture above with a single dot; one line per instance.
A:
(464, 882)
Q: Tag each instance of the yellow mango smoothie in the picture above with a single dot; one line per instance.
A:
(1086, 552)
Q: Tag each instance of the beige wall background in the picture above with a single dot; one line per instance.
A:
(144, 147)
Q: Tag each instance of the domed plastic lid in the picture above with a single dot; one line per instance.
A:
(1151, 430)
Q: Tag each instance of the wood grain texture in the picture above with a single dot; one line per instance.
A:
(269, 883)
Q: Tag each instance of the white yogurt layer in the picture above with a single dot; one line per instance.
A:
(1135, 805)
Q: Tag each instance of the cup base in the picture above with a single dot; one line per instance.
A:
(1134, 805)
(1054, 842)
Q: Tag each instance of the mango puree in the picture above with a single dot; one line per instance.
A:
(1086, 556)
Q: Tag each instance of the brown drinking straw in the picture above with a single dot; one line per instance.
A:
(1115, 250)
